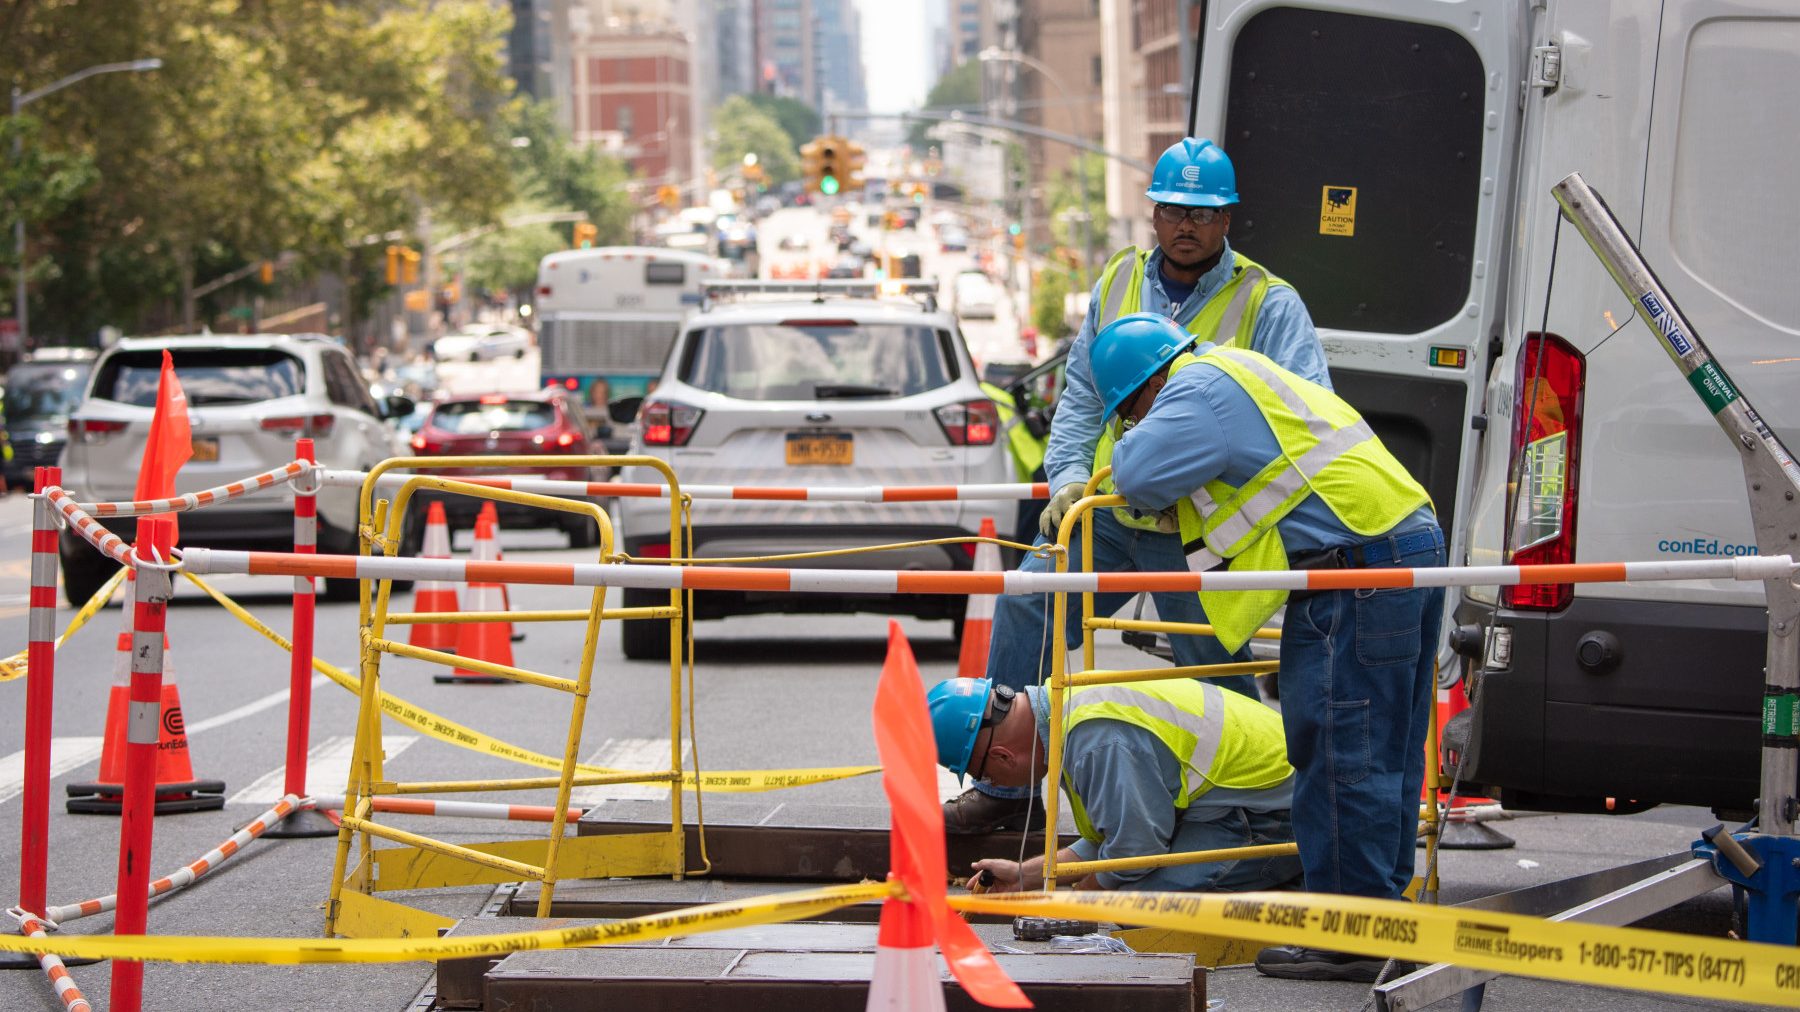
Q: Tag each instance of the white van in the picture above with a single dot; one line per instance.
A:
(1411, 208)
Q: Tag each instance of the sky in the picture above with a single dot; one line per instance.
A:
(896, 51)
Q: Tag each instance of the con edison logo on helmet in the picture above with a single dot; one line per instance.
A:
(1337, 210)
(1190, 174)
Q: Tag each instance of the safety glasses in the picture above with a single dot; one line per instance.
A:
(1171, 214)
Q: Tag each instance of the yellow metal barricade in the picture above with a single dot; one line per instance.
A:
(1062, 680)
(416, 861)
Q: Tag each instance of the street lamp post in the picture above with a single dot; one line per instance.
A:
(19, 101)
(993, 53)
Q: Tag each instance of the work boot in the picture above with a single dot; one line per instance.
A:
(1295, 962)
(973, 812)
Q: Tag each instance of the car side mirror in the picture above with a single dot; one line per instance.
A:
(624, 410)
(398, 406)
(1037, 422)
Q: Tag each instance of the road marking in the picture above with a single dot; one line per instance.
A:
(625, 754)
(251, 708)
(327, 769)
(65, 755)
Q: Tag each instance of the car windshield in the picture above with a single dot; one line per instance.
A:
(48, 392)
(808, 361)
(466, 418)
(207, 375)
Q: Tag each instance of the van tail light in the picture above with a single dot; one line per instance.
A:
(1544, 469)
(94, 430)
(970, 423)
(665, 424)
(317, 425)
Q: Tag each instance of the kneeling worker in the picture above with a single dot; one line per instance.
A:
(1150, 768)
(1268, 471)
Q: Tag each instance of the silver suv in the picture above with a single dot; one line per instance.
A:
(828, 391)
(249, 398)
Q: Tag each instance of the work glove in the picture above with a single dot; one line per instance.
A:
(1169, 521)
(1058, 507)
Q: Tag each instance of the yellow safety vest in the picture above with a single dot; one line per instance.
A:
(1218, 738)
(1027, 449)
(1326, 450)
(1228, 319)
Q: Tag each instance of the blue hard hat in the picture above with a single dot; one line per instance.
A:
(958, 706)
(1130, 350)
(1194, 173)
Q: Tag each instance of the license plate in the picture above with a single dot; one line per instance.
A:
(206, 448)
(833, 448)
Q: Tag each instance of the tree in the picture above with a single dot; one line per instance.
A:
(1047, 314)
(798, 120)
(507, 260)
(1066, 206)
(39, 185)
(740, 128)
(552, 172)
(958, 89)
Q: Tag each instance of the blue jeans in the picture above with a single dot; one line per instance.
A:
(1020, 651)
(1238, 827)
(1356, 695)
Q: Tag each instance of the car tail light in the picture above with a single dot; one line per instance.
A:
(94, 430)
(565, 439)
(1546, 453)
(666, 424)
(970, 423)
(654, 550)
(318, 425)
(493, 399)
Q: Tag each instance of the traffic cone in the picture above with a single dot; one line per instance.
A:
(492, 512)
(978, 620)
(906, 968)
(483, 641)
(435, 595)
(176, 788)
(1459, 832)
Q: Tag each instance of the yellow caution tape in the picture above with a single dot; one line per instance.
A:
(1515, 944)
(15, 666)
(446, 730)
(770, 909)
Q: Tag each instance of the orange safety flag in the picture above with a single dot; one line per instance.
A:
(916, 840)
(171, 442)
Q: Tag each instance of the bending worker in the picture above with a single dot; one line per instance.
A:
(1267, 471)
(1152, 768)
(1195, 278)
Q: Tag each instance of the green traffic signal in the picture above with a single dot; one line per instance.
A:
(828, 185)
(1014, 228)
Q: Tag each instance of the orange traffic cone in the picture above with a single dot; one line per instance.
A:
(978, 621)
(483, 641)
(435, 595)
(492, 512)
(176, 788)
(906, 967)
(1459, 832)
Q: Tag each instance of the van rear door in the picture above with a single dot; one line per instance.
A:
(1371, 140)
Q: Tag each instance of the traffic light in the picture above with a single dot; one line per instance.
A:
(853, 161)
(669, 196)
(822, 160)
(393, 265)
(267, 272)
(409, 266)
(585, 233)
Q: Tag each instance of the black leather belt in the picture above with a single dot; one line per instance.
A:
(1375, 554)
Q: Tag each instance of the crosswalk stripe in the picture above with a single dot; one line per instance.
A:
(327, 769)
(65, 755)
(625, 754)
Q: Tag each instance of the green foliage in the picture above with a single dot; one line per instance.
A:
(38, 185)
(958, 89)
(1053, 286)
(507, 260)
(740, 128)
(798, 120)
(1065, 199)
(552, 172)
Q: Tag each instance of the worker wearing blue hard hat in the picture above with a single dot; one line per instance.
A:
(1213, 292)
(1151, 768)
(1263, 470)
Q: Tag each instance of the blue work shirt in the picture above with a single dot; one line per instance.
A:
(1204, 426)
(1284, 332)
(1128, 780)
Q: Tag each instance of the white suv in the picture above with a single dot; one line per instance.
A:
(799, 393)
(249, 397)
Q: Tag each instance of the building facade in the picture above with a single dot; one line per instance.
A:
(633, 96)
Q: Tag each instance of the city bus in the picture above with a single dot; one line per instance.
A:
(606, 316)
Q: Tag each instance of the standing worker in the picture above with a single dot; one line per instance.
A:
(1194, 278)
(1025, 447)
(1267, 471)
(1152, 768)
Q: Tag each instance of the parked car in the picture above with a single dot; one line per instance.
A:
(547, 422)
(807, 393)
(975, 296)
(481, 343)
(40, 394)
(249, 397)
(846, 266)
